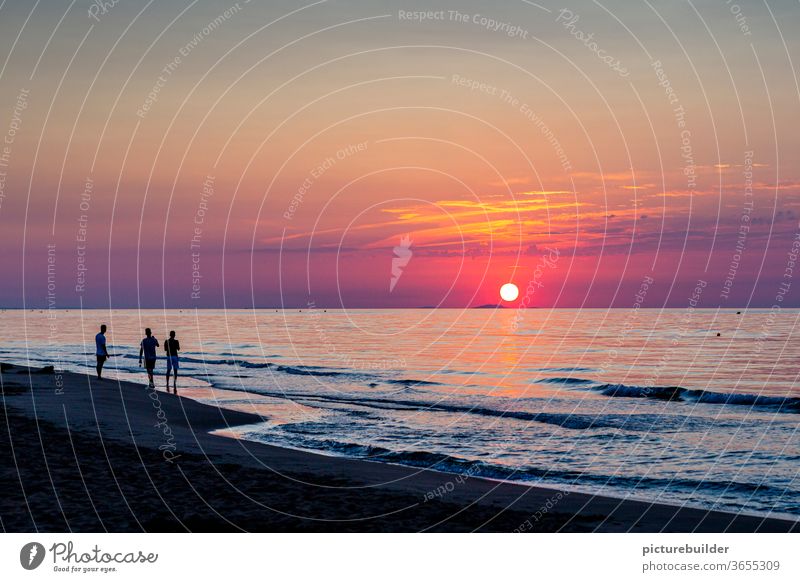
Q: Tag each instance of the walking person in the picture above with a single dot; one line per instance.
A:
(148, 348)
(101, 351)
(172, 347)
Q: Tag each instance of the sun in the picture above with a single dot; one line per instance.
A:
(509, 292)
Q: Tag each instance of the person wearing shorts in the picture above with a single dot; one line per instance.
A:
(101, 351)
(172, 347)
(148, 349)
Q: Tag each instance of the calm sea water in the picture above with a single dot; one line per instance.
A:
(650, 404)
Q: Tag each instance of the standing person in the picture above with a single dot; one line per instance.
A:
(102, 352)
(172, 347)
(148, 348)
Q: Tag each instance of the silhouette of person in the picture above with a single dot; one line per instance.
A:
(102, 351)
(148, 348)
(172, 347)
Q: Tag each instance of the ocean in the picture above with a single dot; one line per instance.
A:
(688, 407)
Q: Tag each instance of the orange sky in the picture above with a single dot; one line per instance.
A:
(329, 132)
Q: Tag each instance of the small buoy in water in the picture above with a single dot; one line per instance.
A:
(718, 334)
(738, 313)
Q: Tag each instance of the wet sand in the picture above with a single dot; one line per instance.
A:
(80, 454)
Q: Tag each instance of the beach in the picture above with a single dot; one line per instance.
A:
(82, 455)
(556, 403)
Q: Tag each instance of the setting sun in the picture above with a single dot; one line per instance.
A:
(509, 292)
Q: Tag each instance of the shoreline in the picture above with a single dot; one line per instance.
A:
(261, 487)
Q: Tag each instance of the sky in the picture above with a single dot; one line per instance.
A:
(398, 154)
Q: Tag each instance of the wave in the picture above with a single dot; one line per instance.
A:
(565, 381)
(410, 382)
(227, 362)
(254, 365)
(296, 370)
(205, 361)
(655, 392)
(567, 370)
(571, 421)
(307, 370)
(787, 404)
(450, 464)
(310, 371)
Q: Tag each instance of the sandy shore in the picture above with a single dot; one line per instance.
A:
(80, 454)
